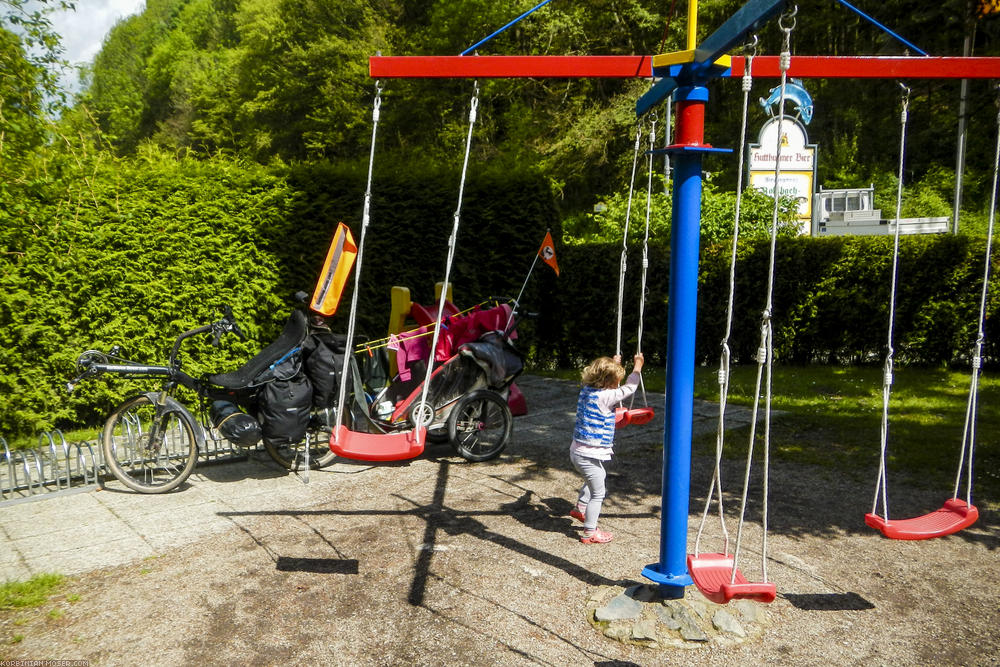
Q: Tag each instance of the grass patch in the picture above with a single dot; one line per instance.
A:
(832, 416)
(31, 593)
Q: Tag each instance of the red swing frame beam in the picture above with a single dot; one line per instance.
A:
(623, 67)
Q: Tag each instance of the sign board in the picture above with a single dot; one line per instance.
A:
(798, 164)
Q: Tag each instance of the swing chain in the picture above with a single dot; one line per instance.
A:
(749, 53)
(475, 101)
(788, 16)
(785, 58)
(724, 365)
(377, 108)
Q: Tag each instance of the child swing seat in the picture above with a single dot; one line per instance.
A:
(378, 446)
(954, 515)
(717, 575)
(638, 416)
(713, 574)
(642, 415)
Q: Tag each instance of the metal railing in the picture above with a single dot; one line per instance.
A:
(56, 464)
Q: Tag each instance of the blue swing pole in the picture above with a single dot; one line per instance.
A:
(687, 84)
(671, 571)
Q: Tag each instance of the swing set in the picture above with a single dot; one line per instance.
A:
(956, 513)
(463, 398)
(683, 76)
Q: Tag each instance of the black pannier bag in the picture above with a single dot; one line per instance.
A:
(235, 425)
(284, 406)
(324, 359)
(375, 369)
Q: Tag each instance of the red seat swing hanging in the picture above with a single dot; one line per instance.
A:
(955, 514)
(625, 416)
(406, 444)
(717, 575)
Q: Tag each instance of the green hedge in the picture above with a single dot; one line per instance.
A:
(504, 218)
(830, 302)
(136, 251)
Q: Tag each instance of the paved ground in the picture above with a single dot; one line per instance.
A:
(78, 532)
(436, 561)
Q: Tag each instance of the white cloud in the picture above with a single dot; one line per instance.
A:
(83, 30)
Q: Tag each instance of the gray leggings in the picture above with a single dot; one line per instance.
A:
(592, 492)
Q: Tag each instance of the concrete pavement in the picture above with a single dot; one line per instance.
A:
(70, 533)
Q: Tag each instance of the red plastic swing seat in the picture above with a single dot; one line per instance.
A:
(637, 416)
(377, 446)
(953, 516)
(713, 575)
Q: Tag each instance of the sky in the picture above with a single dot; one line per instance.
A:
(83, 31)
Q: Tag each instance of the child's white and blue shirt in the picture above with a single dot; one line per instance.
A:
(594, 434)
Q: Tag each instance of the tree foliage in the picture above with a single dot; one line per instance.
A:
(288, 79)
(30, 58)
(218, 142)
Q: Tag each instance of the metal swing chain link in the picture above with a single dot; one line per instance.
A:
(786, 22)
(726, 353)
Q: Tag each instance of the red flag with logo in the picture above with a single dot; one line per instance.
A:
(548, 252)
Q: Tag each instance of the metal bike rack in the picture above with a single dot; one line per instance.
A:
(56, 464)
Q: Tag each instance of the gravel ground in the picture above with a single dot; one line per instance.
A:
(437, 561)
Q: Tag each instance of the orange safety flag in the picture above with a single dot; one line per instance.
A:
(336, 270)
(548, 252)
(987, 7)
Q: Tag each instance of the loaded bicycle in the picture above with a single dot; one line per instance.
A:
(151, 440)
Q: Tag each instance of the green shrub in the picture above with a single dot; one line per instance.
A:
(718, 212)
(96, 251)
(830, 300)
(135, 251)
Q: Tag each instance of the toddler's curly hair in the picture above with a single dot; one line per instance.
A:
(603, 373)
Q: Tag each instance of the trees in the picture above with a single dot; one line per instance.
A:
(286, 79)
(265, 78)
(29, 89)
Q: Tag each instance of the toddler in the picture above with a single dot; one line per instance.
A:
(594, 435)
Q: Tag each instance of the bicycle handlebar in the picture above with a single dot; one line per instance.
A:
(226, 324)
(92, 363)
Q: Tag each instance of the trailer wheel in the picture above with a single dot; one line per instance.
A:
(480, 425)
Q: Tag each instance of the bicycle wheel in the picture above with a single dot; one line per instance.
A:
(293, 456)
(480, 425)
(139, 460)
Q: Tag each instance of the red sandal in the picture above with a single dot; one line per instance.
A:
(576, 514)
(597, 537)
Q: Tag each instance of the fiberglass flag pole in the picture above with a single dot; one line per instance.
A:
(547, 252)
